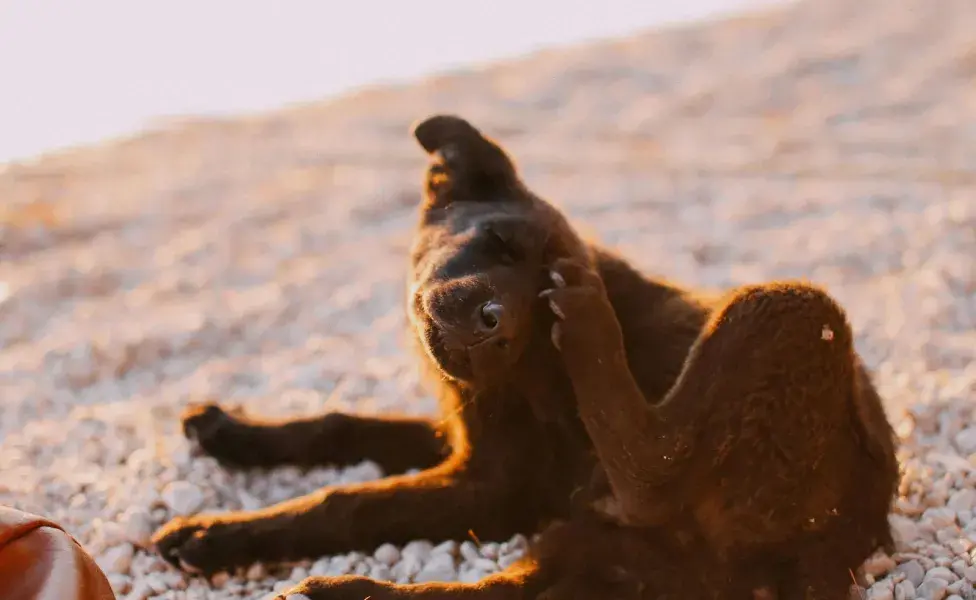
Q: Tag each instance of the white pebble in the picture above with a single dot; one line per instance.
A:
(877, 592)
(440, 561)
(117, 559)
(962, 500)
(387, 554)
(469, 551)
(137, 526)
(490, 550)
(485, 564)
(419, 549)
(182, 497)
(932, 589)
(407, 568)
(471, 575)
(878, 565)
(905, 531)
(905, 590)
(435, 574)
(941, 573)
(940, 518)
(448, 547)
(256, 572)
(508, 560)
(966, 440)
(120, 583)
(320, 568)
(913, 571)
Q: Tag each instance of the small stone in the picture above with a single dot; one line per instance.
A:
(940, 518)
(219, 580)
(904, 530)
(111, 533)
(248, 502)
(932, 589)
(182, 497)
(966, 441)
(435, 574)
(879, 592)
(340, 565)
(957, 587)
(297, 597)
(516, 544)
(485, 564)
(970, 574)
(941, 573)
(448, 547)
(440, 561)
(137, 526)
(120, 583)
(387, 554)
(490, 550)
(407, 568)
(507, 560)
(256, 572)
(879, 564)
(469, 551)
(381, 573)
(962, 500)
(157, 583)
(905, 590)
(117, 559)
(419, 549)
(140, 591)
(471, 575)
(320, 568)
(913, 571)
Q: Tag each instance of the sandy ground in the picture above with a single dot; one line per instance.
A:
(260, 261)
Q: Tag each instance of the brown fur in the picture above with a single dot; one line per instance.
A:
(666, 444)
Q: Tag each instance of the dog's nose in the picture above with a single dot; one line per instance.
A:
(489, 317)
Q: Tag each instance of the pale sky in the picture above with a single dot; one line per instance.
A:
(77, 71)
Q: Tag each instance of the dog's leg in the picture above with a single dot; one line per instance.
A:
(637, 448)
(772, 372)
(440, 504)
(520, 582)
(575, 560)
(395, 444)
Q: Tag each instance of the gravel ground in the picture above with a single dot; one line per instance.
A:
(260, 261)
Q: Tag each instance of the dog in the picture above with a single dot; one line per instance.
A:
(664, 443)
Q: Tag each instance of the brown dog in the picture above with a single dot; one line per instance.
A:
(667, 445)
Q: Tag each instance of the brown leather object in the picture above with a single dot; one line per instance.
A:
(39, 561)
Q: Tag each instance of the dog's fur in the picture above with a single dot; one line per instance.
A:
(665, 443)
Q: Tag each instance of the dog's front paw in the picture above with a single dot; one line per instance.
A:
(585, 320)
(218, 433)
(348, 587)
(200, 545)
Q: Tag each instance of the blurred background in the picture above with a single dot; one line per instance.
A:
(215, 199)
(77, 73)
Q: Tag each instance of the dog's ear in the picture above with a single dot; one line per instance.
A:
(438, 131)
(466, 158)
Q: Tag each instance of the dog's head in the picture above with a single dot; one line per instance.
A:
(481, 255)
